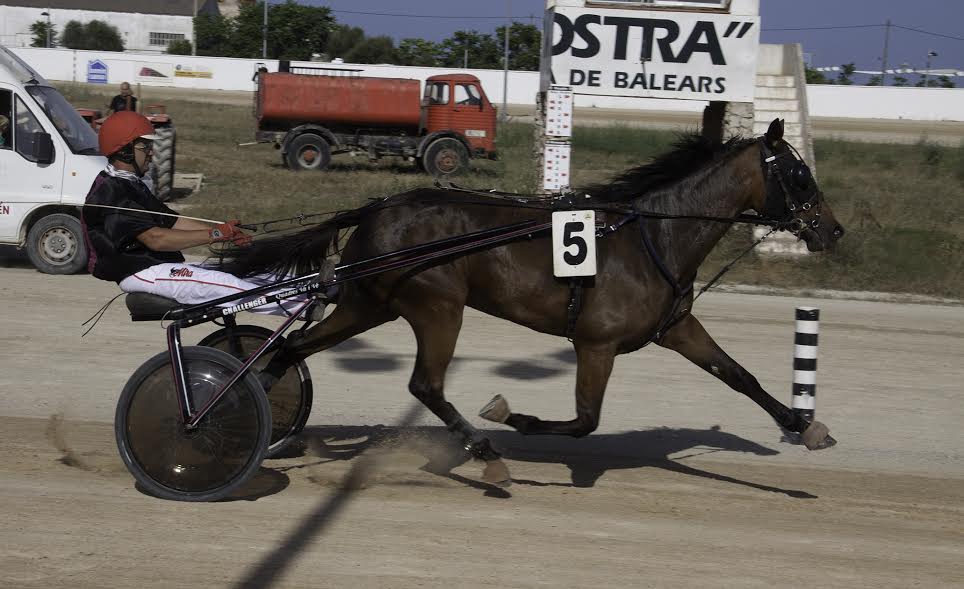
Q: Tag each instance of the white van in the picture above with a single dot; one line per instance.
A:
(48, 161)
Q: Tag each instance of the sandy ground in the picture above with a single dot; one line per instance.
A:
(686, 483)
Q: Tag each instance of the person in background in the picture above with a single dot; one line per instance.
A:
(123, 101)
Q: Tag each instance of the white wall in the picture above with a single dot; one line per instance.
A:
(871, 102)
(924, 104)
(15, 24)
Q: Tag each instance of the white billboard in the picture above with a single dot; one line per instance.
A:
(655, 54)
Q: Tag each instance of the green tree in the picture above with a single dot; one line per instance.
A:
(213, 34)
(39, 32)
(417, 52)
(294, 31)
(815, 77)
(525, 46)
(874, 81)
(483, 52)
(342, 40)
(372, 50)
(96, 35)
(945, 82)
(179, 47)
(73, 36)
(901, 81)
(846, 72)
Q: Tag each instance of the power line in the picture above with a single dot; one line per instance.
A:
(824, 28)
(922, 31)
(530, 17)
(929, 33)
(430, 16)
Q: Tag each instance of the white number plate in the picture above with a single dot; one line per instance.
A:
(574, 243)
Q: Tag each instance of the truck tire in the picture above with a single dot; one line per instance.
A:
(163, 168)
(308, 151)
(445, 157)
(55, 245)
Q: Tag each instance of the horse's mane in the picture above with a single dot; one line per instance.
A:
(690, 153)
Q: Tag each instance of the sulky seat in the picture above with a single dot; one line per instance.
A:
(148, 307)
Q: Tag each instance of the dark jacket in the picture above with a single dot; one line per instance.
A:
(111, 235)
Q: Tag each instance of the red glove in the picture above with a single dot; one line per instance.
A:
(226, 231)
(241, 240)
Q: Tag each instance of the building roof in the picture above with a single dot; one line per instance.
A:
(165, 7)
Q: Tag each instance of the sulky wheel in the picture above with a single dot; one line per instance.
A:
(204, 464)
(290, 398)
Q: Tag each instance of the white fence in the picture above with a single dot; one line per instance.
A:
(222, 73)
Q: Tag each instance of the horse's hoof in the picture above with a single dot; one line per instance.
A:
(496, 473)
(496, 410)
(817, 437)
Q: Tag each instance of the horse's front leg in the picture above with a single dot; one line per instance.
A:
(689, 338)
(594, 365)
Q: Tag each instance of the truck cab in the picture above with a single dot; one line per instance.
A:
(48, 161)
(457, 103)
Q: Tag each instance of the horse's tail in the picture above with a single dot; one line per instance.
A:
(293, 254)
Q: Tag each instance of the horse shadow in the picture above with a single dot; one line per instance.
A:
(587, 459)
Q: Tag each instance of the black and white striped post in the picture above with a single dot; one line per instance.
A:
(805, 362)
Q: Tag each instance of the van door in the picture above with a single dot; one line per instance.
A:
(24, 183)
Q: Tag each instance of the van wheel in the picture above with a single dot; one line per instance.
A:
(55, 245)
(446, 157)
(308, 152)
(163, 169)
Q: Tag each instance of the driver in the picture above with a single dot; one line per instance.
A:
(141, 251)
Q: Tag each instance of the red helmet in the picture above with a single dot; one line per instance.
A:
(121, 128)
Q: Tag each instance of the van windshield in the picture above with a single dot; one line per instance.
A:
(71, 126)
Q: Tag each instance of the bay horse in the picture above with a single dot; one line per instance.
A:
(642, 291)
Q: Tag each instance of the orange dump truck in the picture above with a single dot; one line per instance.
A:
(311, 114)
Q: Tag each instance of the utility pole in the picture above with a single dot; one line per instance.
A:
(505, 58)
(927, 68)
(264, 33)
(194, 31)
(883, 63)
(47, 14)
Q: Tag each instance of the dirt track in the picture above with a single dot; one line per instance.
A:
(659, 496)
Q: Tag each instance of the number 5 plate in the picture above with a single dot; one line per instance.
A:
(574, 243)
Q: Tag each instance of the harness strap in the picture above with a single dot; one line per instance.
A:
(679, 292)
(574, 307)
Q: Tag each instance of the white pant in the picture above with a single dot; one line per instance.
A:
(192, 284)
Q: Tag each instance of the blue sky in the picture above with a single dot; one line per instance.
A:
(862, 46)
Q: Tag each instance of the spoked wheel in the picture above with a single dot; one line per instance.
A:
(203, 464)
(290, 398)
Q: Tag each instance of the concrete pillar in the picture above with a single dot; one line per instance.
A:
(722, 120)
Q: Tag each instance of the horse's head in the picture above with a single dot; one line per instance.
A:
(791, 194)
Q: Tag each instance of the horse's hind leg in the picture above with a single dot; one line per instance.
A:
(347, 320)
(689, 338)
(594, 365)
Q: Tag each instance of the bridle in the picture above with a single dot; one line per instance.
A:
(790, 189)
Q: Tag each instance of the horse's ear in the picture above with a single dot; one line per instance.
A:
(775, 132)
